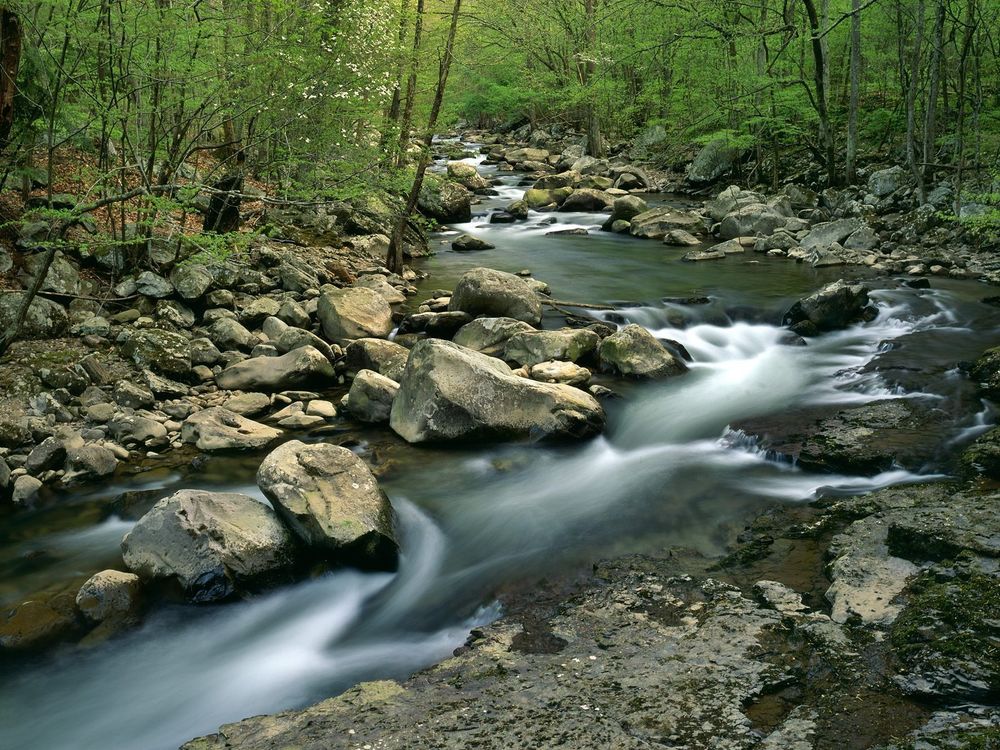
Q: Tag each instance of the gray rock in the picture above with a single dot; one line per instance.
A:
(26, 489)
(218, 429)
(715, 160)
(227, 334)
(657, 223)
(133, 395)
(534, 347)
(467, 176)
(257, 310)
(589, 165)
(885, 182)
(378, 283)
(204, 352)
(164, 352)
(132, 428)
(587, 200)
(191, 280)
(490, 335)
(467, 243)
(174, 314)
(331, 501)
(750, 221)
(89, 462)
(213, 544)
(45, 318)
(560, 372)
(450, 392)
(300, 367)
(835, 306)
(48, 454)
(628, 207)
(384, 357)
(354, 313)
(248, 404)
(294, 314)
(445, 201)
(825, 234)
(110, 595)
(153, 285)
(62, 278)
(297, 338)
(370, 397)
(635, 352)
(484, 291)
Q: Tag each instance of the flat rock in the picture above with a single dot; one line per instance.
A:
(218, 429)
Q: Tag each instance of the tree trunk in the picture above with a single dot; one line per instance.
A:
(968, 39)
(911, 98)
(411, 87)
(930, 117)
(10, 58)
(822, 96)
(852, 114)
(595, 142)
(394, 257)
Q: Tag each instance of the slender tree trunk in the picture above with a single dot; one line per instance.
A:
(394, 257)
(930, 116)
(968, 39)
(10, 59)
(411, 87)
(595, 141)
(911, 98)
(852, 109)
(822, 96)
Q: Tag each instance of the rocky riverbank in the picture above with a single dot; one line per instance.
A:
(860, 623)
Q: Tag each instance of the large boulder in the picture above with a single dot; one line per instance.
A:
(162, 351)
(627, 207)
(300, 367)
(218, 429)
(715, 160)
(521, 155)
(490, 335)
(109, 595)
(191, 280)
(484, 291)
(534, 347)
(825, 234)
(331, 501)
(751, 220)
(445, 201)
(45, 318)
(354, 313)
(213, 544)
(835, 306)
(229, 334)
(370, 397)
(587, 200)
(467, 176)
(450, 392)
(384, 357)
(536, 199)
(885, 182)
(657, 223)
(635, 352)
(62, 277)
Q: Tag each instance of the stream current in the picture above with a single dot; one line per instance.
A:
(666, 472)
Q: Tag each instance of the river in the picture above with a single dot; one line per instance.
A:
(666, 472)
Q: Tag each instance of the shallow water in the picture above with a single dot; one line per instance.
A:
(666, 472)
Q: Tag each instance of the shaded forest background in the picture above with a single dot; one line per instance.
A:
(127, 114)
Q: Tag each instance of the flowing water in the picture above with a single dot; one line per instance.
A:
(666, 472)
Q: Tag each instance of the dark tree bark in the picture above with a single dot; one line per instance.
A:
(852, 114)
(223, 213)
(822, 96)
(10, 59)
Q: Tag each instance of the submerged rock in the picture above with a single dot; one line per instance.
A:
(448, 392)
(331, 501)
(213, 544)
